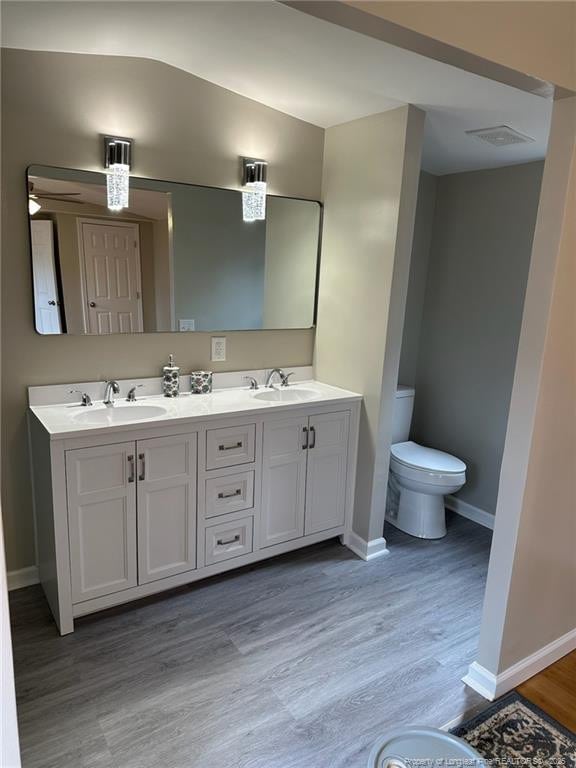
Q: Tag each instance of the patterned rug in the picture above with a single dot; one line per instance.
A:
(513, 731)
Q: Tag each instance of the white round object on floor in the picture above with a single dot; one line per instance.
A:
(424, 746)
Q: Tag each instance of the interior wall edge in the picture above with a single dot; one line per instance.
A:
(541, 48)
(512, 500)
(366, 18)
(492, 686)
(413, 145)
(354, 294)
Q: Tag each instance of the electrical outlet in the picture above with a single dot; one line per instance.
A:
(186, 325)
(218, 349)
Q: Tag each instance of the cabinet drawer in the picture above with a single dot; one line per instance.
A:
(231, 493)
(228, 540)
(230, 446)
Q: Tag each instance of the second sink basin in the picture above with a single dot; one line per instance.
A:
(287, 395)
(119, 414)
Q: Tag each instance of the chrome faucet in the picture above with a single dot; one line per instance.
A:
(131, 396)
(282, 376)
(85, 399)
(112, 388)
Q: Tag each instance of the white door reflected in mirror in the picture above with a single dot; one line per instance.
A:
(47, 310)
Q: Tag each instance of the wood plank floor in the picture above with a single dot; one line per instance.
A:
(554, 690)
(299, 662)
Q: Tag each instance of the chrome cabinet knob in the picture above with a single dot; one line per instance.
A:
(92, 303)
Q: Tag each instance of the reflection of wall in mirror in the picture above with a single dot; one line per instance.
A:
(292, 228)
(163, 293)
(230, 274)
(218, 260)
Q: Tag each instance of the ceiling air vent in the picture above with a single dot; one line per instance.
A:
(500, 136)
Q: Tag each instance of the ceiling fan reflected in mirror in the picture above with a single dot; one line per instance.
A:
(34, 195)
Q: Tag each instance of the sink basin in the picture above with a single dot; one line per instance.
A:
(287, 395)
(120, 414)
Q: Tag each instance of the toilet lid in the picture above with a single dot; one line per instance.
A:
(413, 455)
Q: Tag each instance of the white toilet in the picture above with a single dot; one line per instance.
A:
(419, 477)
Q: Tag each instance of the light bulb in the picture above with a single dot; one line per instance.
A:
(33, 206)
(254, 201)
(117, 184)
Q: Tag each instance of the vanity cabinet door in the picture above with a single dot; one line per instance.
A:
(326, 476)
(166, 506)
(102, 519)
(283, 480)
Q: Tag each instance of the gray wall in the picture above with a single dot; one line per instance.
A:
(478, 268)
(418, 277)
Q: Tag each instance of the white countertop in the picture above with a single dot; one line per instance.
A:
(73, 420)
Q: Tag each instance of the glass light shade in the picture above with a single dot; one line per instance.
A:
(254, 201)
(33, 206)
(117, 184)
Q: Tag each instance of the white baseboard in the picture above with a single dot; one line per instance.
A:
(481, 680)
(471, 512)
(492, 686)
(367, 550)
(25, 577)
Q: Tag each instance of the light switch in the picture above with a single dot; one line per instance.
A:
(218, 349)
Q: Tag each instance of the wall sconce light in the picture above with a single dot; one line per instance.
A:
(117, 158)
(253, 189)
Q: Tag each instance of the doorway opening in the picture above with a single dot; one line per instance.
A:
(469, 265)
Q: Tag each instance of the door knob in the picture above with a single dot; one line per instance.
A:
(52, 303)
(92, 303)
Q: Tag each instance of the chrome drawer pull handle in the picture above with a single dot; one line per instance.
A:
(142, 475)
(230, 447)
(222, 543)
(237, 492)
(131, 465)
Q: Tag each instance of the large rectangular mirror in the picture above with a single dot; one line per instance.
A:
(179, 258)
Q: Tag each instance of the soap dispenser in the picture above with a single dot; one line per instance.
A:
(171, 379)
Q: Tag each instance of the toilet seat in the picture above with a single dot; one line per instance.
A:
(426, 465)
(414, 456)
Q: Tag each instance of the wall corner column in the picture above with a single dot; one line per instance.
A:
(370, 187)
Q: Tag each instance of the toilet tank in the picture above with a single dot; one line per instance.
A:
(402, 419)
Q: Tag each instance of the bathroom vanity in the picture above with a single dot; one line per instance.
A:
(144, 496)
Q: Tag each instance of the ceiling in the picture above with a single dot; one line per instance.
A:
(303, 66)
(143, 202)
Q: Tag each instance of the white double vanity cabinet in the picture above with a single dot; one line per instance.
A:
(145, 496)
